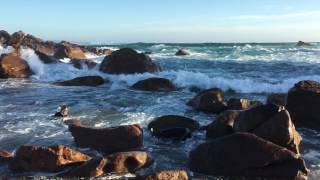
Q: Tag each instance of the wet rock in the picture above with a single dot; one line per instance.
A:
(301, 43)
(246, 155)
(155, 84)
(63, 111)
(92, 168)
(46, 59)
(241, 104)
(45, 159)
(270, 122)
(211, 100)
(223, 126)
(12, 66)
(303, 103)
(17, 39)
(66, 50)
(277, 98)
(108, 140)
(127, 162)
(5, 156)
(83, 81)
(182, 52)
(128, 61)
(165, 175)
(172, 126)
(83, 63)
(4, 37)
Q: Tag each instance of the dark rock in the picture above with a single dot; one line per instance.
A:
(128, 61)
(301, 43)
(12, 66)
(278, 99)
(211, 100)
(303, 103)
(182, 52)
(46, 59)
(108, 140)
(165, 175)
(242, 104)
(246, 155)
(66, 50)
(4, 37)
(82, 81)
(92, 168)
(172, 126)
(127, 162)
(45, 159)
(5, 156)
(223, 125)
(63, 111)
(81, 63)
(270, 122)
(17, 39)
(155, 84)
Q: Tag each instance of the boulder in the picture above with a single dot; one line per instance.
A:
(303, 103)
(270, 122)
(80, 64)
(108, 140)
(45, 159)
(211, 100)
(246, 155)
(128, 61)
(4, 37)
(92, 168)
(66, 50)
(182, 52)
(17, 39)
(165, 175)
(12, 66)
(155, 84)
(46, 59)
(301, 43)
(82, 81)
(172, 126)
(223, 125)
(126, 162)
(277, 98)
(241, 104)
(5, 156)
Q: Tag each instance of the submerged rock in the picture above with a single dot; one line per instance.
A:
(172, 126)
(182, 52)
(246, 155)
(108, 140)
(155, 84)
(303, 103)
(45, 159)
(66, 50)
(12, 66)
(270, 122)
(277, 98)
(165, 175)
(63, 111)
(211, 100)
(242, 104)
(5, 156)
(301, 43)
(128, 61)
(82, 81)
(83, 63)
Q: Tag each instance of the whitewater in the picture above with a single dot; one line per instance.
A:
(249, 70)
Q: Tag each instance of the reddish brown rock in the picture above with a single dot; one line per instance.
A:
(66, 50)
(17, 39)
(12, 66)
(155, 84)
(128, 61)
(165, 175)
(303, 103)
(247, 155)
(108, 140)
(127, 162)
(211, 100)
(5, 156)
(242, 104)
(82, 81)
(92, 168)
(45, 159)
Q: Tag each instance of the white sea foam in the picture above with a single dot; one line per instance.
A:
(6, 50)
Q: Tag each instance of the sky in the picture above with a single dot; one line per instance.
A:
(181, 21)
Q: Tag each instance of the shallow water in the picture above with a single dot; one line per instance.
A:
(248, 70)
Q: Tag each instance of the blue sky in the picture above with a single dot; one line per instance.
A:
(121, 21)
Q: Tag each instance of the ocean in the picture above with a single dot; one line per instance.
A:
(248, 70)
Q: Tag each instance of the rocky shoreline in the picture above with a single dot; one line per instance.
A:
(250, 139)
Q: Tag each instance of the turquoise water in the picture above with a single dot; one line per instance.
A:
(243, 70)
